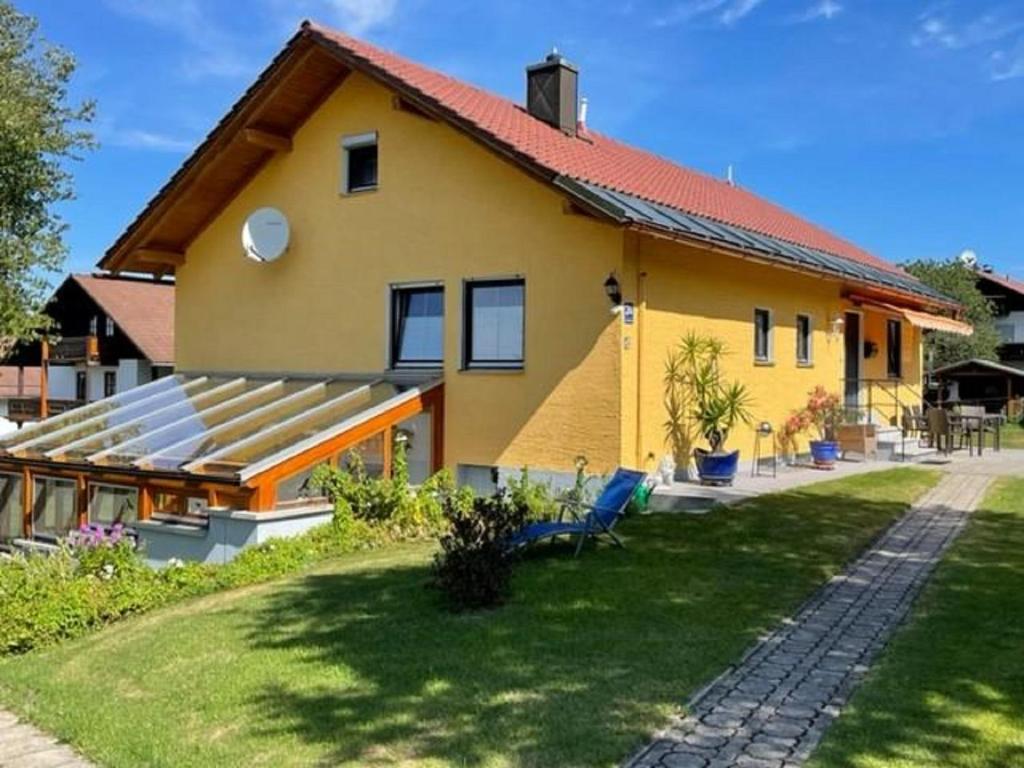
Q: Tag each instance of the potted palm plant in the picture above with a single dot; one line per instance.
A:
(700, 404)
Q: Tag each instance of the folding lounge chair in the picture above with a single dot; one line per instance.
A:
(599, 518)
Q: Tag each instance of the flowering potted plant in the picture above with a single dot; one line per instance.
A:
(825, 412)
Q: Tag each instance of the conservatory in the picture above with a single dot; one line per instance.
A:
(201, 465)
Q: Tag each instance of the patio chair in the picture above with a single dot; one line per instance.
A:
(943, 428)
(588, 520)
(915, 422)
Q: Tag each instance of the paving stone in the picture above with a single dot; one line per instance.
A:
(772, 710)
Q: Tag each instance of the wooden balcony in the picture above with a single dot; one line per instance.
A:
(21, 409)
(76, 349)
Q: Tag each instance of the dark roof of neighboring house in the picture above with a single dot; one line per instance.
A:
(978, 362)
(1003, 280)
(9, 381)
(506, 127)
(143, 309)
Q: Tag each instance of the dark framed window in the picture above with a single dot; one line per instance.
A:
(417, 326)
(894, 348)
(803, 340)
(109, 383)
(762, 335)
(360, 163)
(494, 320)
(81, 386)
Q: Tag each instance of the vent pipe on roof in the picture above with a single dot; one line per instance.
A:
(730, 178)
(551, 92)
(581, 124)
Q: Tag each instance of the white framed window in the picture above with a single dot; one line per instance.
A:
(359, 172)
(417, 326)
(804, 340)
(94, 325)
(763, 335)
(494, 317)
(110, 326)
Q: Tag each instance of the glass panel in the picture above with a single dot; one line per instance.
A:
(372, 452)
(204, 444)
(803, 338)
(12, 518)
(419, 325)
(174, 406)
(496, 329)
(110, 504)
(180, 508)
(122, 415)
(54, 507)
(307, 426)
(296, 487)
(79, 415)
(415, 436)
(362, 167)
(203, 421)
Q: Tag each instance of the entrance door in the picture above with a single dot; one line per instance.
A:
(852, 357)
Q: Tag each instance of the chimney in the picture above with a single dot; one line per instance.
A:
(551, 92)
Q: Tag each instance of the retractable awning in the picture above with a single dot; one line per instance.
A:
(930, 322)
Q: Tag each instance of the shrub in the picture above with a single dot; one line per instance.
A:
(474, 568)
(535, 496)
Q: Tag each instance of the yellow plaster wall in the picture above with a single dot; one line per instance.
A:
(886, 391)
(446, 210)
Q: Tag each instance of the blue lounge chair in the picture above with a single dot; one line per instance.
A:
(600, 517)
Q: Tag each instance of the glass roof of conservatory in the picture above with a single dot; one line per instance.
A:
(210, 425)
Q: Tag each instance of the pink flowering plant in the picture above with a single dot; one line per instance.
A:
(103, 552)
(824, 412)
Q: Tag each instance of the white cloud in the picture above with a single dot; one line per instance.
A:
(726, 12)
(939, 29)
(148, 140)
(824, 9)
(1008, 65)
(360, 16)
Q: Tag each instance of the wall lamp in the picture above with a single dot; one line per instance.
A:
(837, 322)
(612, 290)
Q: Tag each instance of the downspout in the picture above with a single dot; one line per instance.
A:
(641, 316)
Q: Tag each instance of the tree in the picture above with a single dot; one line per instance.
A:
(40, 132)
(959, 282)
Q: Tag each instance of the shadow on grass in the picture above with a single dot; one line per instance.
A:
(949, 690)
(587, 659)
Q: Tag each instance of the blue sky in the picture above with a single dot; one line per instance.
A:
(895, 123)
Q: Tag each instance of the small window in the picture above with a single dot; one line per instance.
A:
(494, 316)
(110, 326)
(417, 326)
(894, 349)
(94, 325)
(12, 517)
(803, 339)
(359, 167)
(54, 507)
(109, 383)
(762, 335)
(81, 386)
(179, 508)
(111, 504)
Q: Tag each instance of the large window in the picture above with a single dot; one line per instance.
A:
(417, 326)
(894, 349)
(54, 506)
(110, 504)
(763, 335)
(12, 518)
(494, 316)
(804, 350)
(359, 169)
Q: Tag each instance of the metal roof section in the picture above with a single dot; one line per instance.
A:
(213, 426)
(628, 209)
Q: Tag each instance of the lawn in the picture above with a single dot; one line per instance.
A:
(355, 663)
(949, 691)
(1013, 436)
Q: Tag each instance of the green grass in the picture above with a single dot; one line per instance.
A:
(949, 691)
(356, 664)
(1012, 436)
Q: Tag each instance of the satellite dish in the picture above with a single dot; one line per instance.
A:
(265, 235)
(969, 258)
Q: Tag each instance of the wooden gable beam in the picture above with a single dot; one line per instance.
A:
(267, 139)
(158, 256)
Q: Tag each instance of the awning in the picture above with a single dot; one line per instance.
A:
(930, 322)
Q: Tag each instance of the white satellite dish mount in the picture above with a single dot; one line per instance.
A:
(969, 258)
(265, 235)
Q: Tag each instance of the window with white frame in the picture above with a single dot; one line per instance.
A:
(94, 325)
(110, 326)
(763, 335)
(804, 348)
(494, 318)
(359, 163)
(417, 326)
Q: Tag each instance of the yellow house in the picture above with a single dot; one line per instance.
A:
(534, 271)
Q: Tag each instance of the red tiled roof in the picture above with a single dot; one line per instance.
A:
(143, 309)
(601, 160)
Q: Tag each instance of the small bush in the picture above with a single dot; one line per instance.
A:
(535, 496)
(474, 568)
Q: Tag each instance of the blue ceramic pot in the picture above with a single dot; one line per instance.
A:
(824, 452)
(716, 468)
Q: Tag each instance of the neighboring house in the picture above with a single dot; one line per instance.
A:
(16, 384)
(997, 386)
(1007, 297)
(112, 334)
(496, 286)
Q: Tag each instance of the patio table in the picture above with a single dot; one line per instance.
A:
(980, 423)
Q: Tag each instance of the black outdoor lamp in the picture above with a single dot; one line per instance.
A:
(612, 290)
